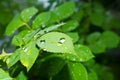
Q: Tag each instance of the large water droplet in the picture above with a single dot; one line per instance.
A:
(62, 40)
(42, 41)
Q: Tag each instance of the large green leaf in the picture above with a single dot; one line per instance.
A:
(110, 39)
(13, 58)
(77, 71)
(28, 13)
(41, 20)
(65, 10)
(4, 75)
(14, 25)
(56, 42)
(28, 55)
(70, 25)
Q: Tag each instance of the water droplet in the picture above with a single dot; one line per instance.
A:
(43, 27)
(62, 40)
(44, 49)
(25, 49)
(42, 41)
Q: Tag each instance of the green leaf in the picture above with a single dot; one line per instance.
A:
(78, 15)
(29, 36)
(74, 36)
(70, 25)
(28, 13)
(97, 18)
(4, 75)
(41, 20)
(97, 47)
(110, 39)
(65, 10)
(92, 75)
(21, 76)
(93, 37)
(55, 64)
(77, 71)
(14, 58)
(29, 55)
(53, 27)
(56, 42)
(14, 25)
(83, 53)
(18, 39)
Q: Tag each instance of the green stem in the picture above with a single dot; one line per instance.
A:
(28, 26)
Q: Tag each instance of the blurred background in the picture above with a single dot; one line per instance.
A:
(111, 57)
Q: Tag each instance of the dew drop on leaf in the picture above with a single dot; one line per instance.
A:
(62, 40)
(42, 41)
(25, 49)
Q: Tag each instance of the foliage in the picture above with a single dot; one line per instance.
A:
(59, 44)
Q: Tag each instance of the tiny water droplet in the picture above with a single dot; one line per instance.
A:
(44, 49)
(42, 41)
(43, 27)
(25, 49)
(62, 40)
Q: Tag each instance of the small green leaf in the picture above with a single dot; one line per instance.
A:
(92, 38)
(70, 25)
(56, 42)
(77, 71)
(28, 55)
(53, 27)
(74, 36)
(18, 39)
(41, 20)
(14, 58)
(28, 13)
(14, 25)
(97, 47)
(65, 10)
(83, 53)
(21, 76)
(4, 75)
(92, 75)
(110, 39)
(78, 15)
(55, 64)
(97, 18)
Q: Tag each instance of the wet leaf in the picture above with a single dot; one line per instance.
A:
(28, 13)
(56, 42)
(28, 55)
